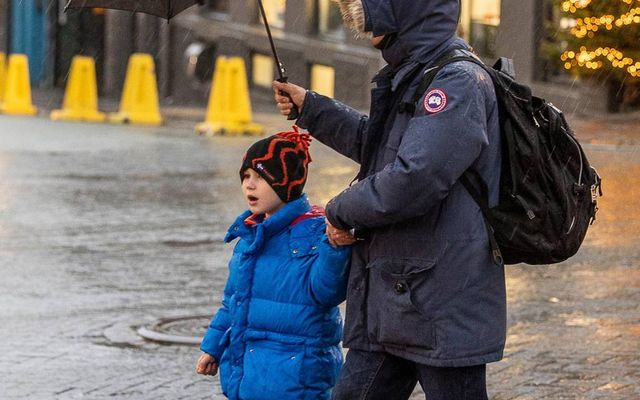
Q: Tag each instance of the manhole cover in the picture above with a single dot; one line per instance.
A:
(180, 330)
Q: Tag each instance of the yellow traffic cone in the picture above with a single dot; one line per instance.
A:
(3, 75)
(17, 93)
(139, 104)
(229, 109)
(81, 95)
(217, 108)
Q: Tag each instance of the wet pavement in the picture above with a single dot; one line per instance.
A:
(105, 229)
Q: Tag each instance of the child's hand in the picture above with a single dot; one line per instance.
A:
(207, 365)
(339, 237)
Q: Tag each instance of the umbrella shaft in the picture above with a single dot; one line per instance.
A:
(281, 72)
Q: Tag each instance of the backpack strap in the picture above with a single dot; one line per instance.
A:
(503, 65)
(477, 188)
(430, 73)
(427, 76)
(471, 179)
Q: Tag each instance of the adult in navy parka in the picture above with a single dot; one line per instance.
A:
(425, 301)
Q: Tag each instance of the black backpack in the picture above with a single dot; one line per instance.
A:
(548, 190)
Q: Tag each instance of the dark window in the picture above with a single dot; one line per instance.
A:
(262, 70)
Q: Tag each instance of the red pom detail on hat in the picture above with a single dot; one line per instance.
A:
(302, 140)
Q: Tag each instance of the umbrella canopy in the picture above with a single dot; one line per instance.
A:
(161, 8)
(169, 8)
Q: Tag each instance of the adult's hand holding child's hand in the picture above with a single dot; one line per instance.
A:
(339, 237)
(207, 365)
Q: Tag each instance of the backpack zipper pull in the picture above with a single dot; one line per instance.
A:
(526, 207)
(535, 120)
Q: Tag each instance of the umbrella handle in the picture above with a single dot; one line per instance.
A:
(294, 113)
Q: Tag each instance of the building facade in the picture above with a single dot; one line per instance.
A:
(314, 47)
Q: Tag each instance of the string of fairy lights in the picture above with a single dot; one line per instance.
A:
(588, 27)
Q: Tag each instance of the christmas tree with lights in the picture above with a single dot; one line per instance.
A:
(602, 39)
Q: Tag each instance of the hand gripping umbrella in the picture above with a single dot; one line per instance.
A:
(169, 8)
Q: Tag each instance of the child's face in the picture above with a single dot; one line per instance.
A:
(260, 197)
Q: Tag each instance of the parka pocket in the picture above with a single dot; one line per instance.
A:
(271, 370)
(395, 315)
(304, 238)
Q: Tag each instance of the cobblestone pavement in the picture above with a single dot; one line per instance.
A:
(104, 229)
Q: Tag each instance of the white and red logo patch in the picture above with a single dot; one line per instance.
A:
(435, 101)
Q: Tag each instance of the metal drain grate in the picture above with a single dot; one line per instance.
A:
(181, 330)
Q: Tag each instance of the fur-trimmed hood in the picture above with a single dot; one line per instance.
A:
(353, 17)
(423, 27)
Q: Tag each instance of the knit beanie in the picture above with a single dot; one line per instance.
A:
(281, 160)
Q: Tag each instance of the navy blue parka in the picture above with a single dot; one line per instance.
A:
(422, 285)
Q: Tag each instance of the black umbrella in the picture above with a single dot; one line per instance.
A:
(169, 8)
(160, 8)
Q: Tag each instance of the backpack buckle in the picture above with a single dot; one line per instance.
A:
(594, 193)
(596, 188)
(497, 256)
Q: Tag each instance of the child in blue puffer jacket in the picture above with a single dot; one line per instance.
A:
(278, 331)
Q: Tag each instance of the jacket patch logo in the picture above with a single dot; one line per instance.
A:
(435, 101)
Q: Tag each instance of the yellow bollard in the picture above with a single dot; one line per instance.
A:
(17, 92)
(139, 104)
(229, 109)
(3, 75)
(81, 95)
(217, 108)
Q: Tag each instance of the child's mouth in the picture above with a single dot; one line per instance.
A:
(252, 199)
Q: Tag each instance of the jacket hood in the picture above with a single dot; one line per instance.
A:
(423, 27)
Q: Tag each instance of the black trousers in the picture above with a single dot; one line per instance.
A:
(382, 376)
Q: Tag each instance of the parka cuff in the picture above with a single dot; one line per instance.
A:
(211, 343)
(332, 219)
(303, 120)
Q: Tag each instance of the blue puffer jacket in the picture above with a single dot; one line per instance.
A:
(277, 333)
